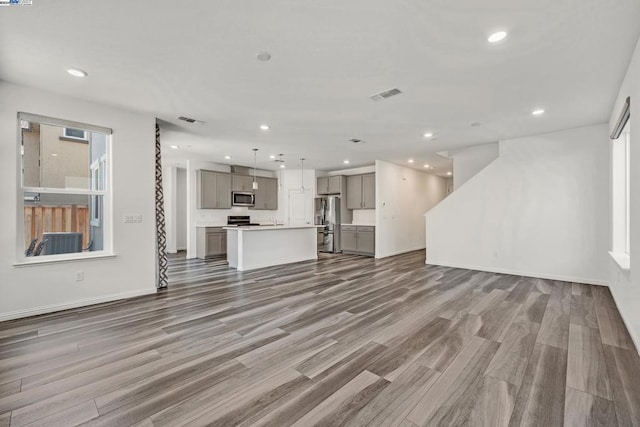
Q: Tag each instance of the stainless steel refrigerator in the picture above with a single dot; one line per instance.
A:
(327, 213)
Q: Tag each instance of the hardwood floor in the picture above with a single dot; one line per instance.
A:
(346, 340)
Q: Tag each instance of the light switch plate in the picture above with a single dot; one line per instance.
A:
(133, 219)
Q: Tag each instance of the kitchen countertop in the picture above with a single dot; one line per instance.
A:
(233, 226)
(271, 227)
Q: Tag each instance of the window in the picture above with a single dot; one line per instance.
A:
(621, 189)
(75, 134)
(65, 188)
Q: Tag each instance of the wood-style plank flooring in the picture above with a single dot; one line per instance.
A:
(346, 340)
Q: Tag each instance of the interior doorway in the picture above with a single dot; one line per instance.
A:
(300, 203)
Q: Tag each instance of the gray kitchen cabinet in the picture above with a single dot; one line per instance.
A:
(322, 185)
(334, 184)
(369, 191)
(211, 241)
(358, 239)
(348, 240)
(329, 185)
(271, 189)
(354, 192)
(241, 183)
(223, 191)
(266, 194)
(366, 242)
(361, 191)
(214, 190)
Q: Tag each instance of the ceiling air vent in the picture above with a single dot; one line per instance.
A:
(190, 120)
(385, 94)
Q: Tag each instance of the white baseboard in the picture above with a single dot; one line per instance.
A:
(73, 304)
(400, 252)
(561, 278)
(621, 310)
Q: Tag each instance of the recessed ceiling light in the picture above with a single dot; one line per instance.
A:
(282, 166)
(496, 37)
(346, 162)
(410, 160)
(537, 112)
(264, 127)
(227, 157)
(449, 173)
(75, 72)
(175, 147)
(428, 134)
(263, 56)
(272, 156)
(54, 155)
(427, 166)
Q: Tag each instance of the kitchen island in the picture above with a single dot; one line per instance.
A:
(254, 247)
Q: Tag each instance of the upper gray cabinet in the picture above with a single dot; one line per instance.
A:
(214, 190)
(241, 183)
(266, 194)
(369, 191)
(361, 191)
(329, 184)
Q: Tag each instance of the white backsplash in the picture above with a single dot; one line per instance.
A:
(364, 217)
(219, 216)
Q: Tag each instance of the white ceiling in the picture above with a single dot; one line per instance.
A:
(198, 59)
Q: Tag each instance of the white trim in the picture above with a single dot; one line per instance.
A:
(634, 337)
(74, 304)
(400, 252)
(63, 258)
(561, 278)
(623, 260)
(73, 191)
(63, 123)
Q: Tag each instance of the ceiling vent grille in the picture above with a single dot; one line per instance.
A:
(190, 120)
(385, 94)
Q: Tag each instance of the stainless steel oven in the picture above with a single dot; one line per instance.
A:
(243, 198)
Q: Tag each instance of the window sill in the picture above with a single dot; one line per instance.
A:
(623, 260)
(63, 258)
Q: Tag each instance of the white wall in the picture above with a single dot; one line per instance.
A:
(539, 210)
(470, 161)
(403, 195)
(625, 284)
(48, 287)
(181, 209)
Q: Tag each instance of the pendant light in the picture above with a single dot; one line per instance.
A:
(302, 173)
(281, 163)
(255, 165)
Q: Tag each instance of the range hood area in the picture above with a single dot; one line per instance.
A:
(242, 170)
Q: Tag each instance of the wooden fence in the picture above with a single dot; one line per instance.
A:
(57, 218)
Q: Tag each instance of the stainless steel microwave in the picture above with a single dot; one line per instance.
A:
(243, 198)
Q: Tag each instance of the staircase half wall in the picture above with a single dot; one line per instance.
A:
(540, 209)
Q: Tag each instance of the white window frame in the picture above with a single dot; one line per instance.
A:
(98, 183)
(105, 192)
(621, 190)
